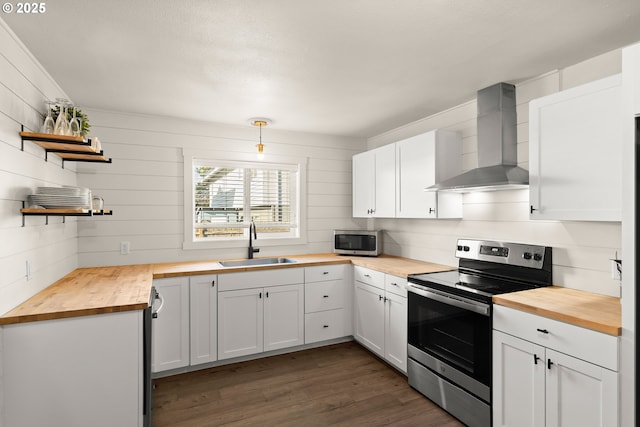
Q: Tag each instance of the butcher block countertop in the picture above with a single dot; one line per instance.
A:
(99, 290)
(593, 311)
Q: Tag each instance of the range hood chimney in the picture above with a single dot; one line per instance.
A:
(497, 153)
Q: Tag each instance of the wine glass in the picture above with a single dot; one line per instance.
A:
(49, 125)
(75, 124)
(62, 123)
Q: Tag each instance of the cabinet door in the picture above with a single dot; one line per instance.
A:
(385, 182)
(240, 315)
(575, 153)
(580, 393)
(283, 316)
(518, 382)
(170, 330)
(364, 172)
(395, 331)
(203, 312)
(369, 317)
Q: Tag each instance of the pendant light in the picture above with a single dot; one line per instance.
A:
(260, 122)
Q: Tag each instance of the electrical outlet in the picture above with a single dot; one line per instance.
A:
(124, 248)
(28, 268)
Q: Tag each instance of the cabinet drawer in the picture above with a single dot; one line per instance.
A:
(368, 276)
(260, 278)
(324, 273)
(324, 325)
(586, 344)
(321, 296)
(395, 285)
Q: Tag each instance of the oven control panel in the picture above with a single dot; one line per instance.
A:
(502, 252)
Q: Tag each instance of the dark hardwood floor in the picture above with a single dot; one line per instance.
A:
(341, 384)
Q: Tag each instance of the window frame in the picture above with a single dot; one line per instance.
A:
(247, 160)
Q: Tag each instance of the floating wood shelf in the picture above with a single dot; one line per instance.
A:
(68, 148)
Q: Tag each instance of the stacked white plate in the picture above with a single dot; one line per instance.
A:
(62, 197)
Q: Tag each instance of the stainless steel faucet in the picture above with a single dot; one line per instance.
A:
(252, 235)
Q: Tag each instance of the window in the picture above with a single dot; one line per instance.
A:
(225, 196)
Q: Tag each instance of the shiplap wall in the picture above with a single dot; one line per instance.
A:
(144, 186)
(51, 249)
(581, 250)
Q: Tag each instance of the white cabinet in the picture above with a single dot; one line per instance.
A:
(575, 153)
(170, 330)
(422, 161)
(203, 318)
(260, 311)
(381, 315)
(73, 372)
(374, 183)
(549, 373)
(325, 294)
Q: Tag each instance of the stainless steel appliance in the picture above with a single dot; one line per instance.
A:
(449, 322)
(149, 314)
(357, 242)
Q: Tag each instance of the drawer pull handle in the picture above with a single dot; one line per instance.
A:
(544, 331)
(325, 272)
(325, 296)
(394, 283)
(366, 275)
(325, 326)
(549, 363)
(535, 359)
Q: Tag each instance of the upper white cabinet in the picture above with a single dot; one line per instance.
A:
(422, 161)
(575, 153)
(374, 183)
(389, 181)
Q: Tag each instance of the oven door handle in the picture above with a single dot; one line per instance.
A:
(476, 307)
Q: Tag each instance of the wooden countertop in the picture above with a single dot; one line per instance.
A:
(593, 311)
(98, 290)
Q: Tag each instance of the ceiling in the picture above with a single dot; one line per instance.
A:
(340, 67)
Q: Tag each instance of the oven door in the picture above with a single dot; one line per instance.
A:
(451, 335)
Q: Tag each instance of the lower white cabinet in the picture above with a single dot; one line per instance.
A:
(170, 330)
(381, 315)
(73, 372)
(203, 319)
(536, 384)
(260, 319)
(325, 307)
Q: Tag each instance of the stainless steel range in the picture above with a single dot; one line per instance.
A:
(449, 322)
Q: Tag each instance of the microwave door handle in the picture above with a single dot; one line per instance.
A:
(465, 304)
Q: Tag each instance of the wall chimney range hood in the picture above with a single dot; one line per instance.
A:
(497, 153)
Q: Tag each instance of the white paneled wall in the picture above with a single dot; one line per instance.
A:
(144, 186)
(50, 249)
(581, 250)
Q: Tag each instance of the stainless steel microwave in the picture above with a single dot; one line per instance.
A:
(357, 242)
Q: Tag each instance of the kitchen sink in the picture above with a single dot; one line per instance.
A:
(256, 262)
